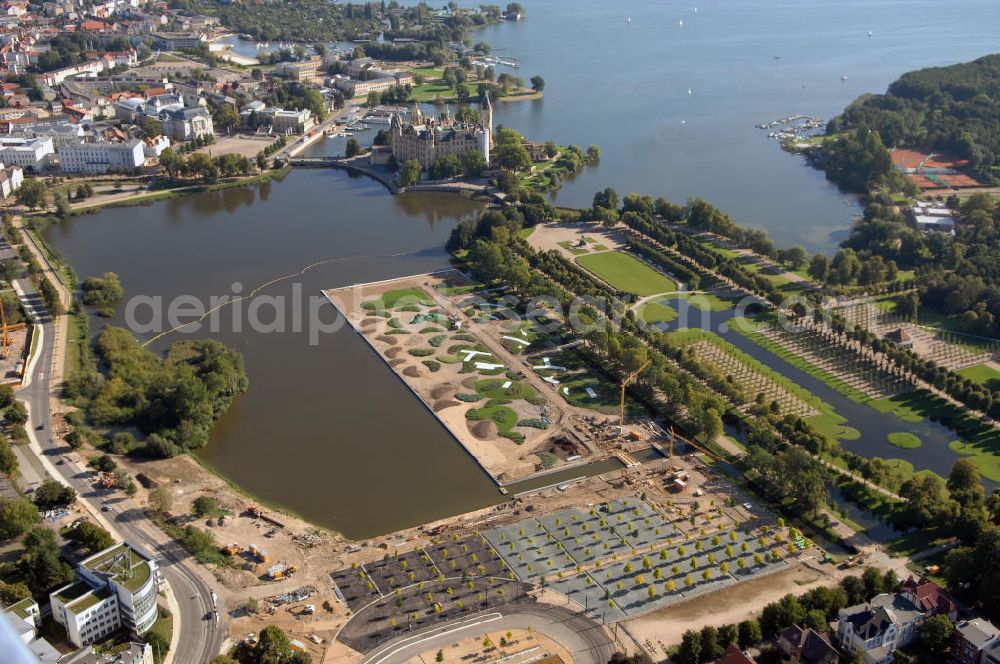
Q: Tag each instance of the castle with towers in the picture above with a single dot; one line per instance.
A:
(426, 139)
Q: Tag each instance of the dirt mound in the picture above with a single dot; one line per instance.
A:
(483, 429)
(412, 372)
(393, 352)
(445, 403)
(369, 321)
(442, 391)
(387, 340)
(470, 382)
(397, 362)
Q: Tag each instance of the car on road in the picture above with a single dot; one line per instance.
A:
(747, 506)
(40, 427)
(105, 507)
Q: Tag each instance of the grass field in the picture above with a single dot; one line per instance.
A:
(903, 439)
(627, 273)
(391, 298)
(654, 312)
(982, 374)
(706, 301)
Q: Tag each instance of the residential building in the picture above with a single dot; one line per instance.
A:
(61, 133)
(156, 145)
(174, 41)
(992, 653)
(361, 88)
(180, 118)
(287, 122)
(890, 622)
(428, 139)
(800, 644)
(301, 70)
(972, 639)
(114, 588)
(33, 153)
(928, 597)
(734, 655)
(24, 619)
(10, 179)
(136, 653)
(102, 156)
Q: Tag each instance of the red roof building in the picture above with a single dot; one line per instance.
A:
(734, 655)
(928, 597)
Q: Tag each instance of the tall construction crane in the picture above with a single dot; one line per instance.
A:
(626, 381)
(5, 338)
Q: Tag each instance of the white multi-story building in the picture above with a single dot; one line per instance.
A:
(10, 179)
(179, 117)
(26, 152)
(102, 156)
(114, 588)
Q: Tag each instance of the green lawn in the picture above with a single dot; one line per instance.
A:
(706, 301)
(982, 374)
(903, 439)
(654, 312)
(627, 273)
(391, 298)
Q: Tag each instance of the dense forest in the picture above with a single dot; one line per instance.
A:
(953, 109)
(173, 400)
(320, 20)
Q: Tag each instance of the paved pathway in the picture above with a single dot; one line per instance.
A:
(586, 639)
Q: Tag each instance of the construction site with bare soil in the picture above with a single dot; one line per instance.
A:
(504, 384)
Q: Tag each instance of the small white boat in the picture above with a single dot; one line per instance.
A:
(869, 33)
(628, 20)
(843, 78)
(690, 92)
(681, 23)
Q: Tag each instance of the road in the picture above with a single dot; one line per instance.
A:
(197, 640)
(586, 639)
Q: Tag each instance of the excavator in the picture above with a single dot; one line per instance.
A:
(5, 340)
(628, 380)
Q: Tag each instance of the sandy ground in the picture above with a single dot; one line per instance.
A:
(244, 144)
(522, 645)
(504, 459)
(548, 236)
(664, 628)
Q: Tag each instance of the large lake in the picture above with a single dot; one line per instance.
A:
(326, 430)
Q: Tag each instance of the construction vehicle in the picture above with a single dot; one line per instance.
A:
(232, 549)
(628, 380)
(280, 571)
(5, 340)
(259, 554)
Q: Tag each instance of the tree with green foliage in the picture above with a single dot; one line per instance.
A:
(537, 83)
(17, 515)
(53, 495)
(32, 193)
(40, 564)
(749, 634)
(353, 148)
(409, 174)
(936, 633)
(8, 460)
(205, 506)
(90, 537)
(102, 290)
(12, 593)
(690, 648)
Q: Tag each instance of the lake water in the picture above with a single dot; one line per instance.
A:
(624, 86)
(326, 430)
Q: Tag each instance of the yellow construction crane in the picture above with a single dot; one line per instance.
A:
(628, 380)
(5, 339)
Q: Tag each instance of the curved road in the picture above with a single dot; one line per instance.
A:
(198, 639)
(586, 639)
